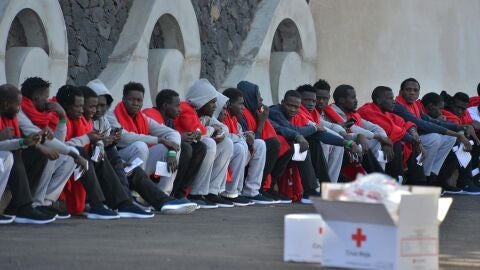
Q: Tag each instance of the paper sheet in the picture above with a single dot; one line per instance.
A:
(135, 163)
(419, 158)
(297, 155)
(2, 168)
(78, 172)
(96, 154)
(475, 171)
(162, 169)
(381, 157)
(462, 156)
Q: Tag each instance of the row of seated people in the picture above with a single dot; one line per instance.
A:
(217, 149)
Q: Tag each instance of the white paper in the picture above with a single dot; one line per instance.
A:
(419, 158)
(96, 154)
(162, 169)
(475, 171)
(135, 163)
(78, 172)
(462, 156)
(2, 168)
(381, 157)
(297, 155)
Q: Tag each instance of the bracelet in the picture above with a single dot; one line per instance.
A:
(21, 142)
(171, 153)
(62, 121)
(349, 144)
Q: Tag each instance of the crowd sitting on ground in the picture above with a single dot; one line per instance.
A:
(83, 153)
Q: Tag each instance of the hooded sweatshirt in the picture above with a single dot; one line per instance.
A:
(101, 124)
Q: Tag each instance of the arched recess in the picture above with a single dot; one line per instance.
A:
(173, 62)
(44, 52)
(275, 64)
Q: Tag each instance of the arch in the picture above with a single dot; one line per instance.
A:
(130, 60)
(255, 57)
(44, 27)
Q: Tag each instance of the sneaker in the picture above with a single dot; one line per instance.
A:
(130, 210)
(178, 207)
(146, 208)
(59, 214)
(468, 189)
(6, 220)
(30, 215)
(279, 198)
(219, 201)
(101, 212)
(201, 202)
(261, 199)
(239, 201)
(306, 198)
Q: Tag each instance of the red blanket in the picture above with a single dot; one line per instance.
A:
(154, 114)
(13, 123)
(466, 119)
(138, 124)
(337, 119)
(39, 119)
(474, 101)
(188, 120)
(413, 108)
(231, 122)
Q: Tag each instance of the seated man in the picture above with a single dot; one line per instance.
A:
(436, 138)
(100, 183)
(344, 108)
(432, 104)
(248, 155)
(403, 134)
(137, 179)
(193, 151)
(20, 208)
(164, 142)
(210, 181)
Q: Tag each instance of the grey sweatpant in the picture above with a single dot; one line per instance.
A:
(437, 147)
(212, 175)
(7, 158)
(334, 157)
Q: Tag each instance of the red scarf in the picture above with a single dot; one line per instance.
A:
(154, 114)
(231, 122)
(337, 119)
(466, 119)
(39, 119)
(188, 120)
(78, 127)
(394, 125)
(138, 124)
(313, 116)
(299, 120)
(13, 123)
(413, 108)
(474, 102)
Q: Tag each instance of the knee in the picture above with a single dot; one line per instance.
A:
(8, 161)
(260, 145)
(210, 146)
(140, 147)
(187, 150)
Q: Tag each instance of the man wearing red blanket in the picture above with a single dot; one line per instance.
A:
(164, 142)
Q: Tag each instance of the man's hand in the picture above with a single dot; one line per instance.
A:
(303, 143)
(50, 153)
(421, 150)
(32, 139)
(262, 114)
(356, 151)
(169, 144)
(79, 160)
(388, 151)
(362, 140)
(47, 133)
(466, 144)
(172, 164)
(108, 140)
(471, 134)
(94, 136)
(6, 133)
(384, 140)
(188, 137)
(320, 127)
(55, 107)
(414, 133)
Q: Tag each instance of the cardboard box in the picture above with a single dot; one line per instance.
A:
(303, 238)
(366, 236)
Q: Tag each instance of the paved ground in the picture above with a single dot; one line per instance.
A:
(239, 238)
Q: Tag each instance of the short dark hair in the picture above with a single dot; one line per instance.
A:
(431, 98)
(402, 85)
(87, 92)
(292, 93)
(32, 84)
(233, 93)
(462, 97)
(306, 88)
(165, 96)
(378, 91)
(478, 89)
(66, 95)
(8, 92)
(322, 84)
(341, 91)
(133, 86)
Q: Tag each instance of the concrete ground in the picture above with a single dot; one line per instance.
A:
(238, 238)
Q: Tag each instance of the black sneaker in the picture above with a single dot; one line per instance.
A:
(129, 210)
(279, 198)
(202, 202)
(101, 212)
(219, 200)
(178, 207)
(470, 189)
(30, 215)
(260, 199)
(6, 220)
(238, 201)
(60, 214)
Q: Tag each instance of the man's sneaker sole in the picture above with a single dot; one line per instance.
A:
(6, 221)
(183, 210)
(63, 217)
(306, 201)
(263, 202)
(134, 215)
(241, 204)
(284, 201)
(465, 192)
(102, 217)
(21, 220)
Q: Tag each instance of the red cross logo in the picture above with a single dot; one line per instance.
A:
(359, 238)
(320, 230)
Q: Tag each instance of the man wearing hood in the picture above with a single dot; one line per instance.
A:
(95, 107)
(195, 116)
(254, 118)
(164, 142)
